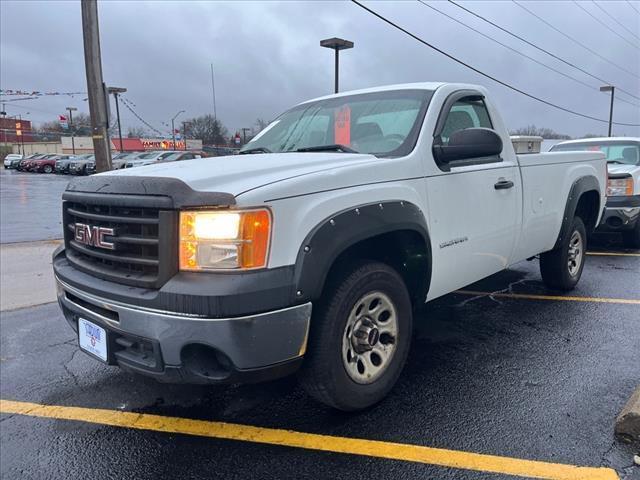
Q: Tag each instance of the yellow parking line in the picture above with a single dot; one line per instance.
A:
(310, 441)
(614, 254)
(564, 298)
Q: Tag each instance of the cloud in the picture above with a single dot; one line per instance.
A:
(267, 56)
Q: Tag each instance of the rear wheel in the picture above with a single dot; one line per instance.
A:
(561, 268)
(632, 237)
(359, 339)
(47, 169)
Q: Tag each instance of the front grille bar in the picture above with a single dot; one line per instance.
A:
(112, 218)
(114, 258)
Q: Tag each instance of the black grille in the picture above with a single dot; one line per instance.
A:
(144, 242)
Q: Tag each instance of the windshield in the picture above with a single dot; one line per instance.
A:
(380, 123)
(624, 152)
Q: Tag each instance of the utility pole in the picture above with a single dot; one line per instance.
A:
(73, 142)
(98, 106)
(184, 134)
(244, 135)
(609, 88)
(116, 91)
(173, 128)
(213, 92)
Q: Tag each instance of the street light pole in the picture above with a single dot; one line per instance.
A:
(609, 88)
(116, 91)
(336, 44)
(173, 128)
(73, 142)
(213, 91)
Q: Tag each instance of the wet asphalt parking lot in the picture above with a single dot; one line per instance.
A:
(529, 378)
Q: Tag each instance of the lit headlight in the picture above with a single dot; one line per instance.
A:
(223, 240)
(619, 186)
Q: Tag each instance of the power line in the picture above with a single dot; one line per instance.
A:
(603, 24)
(511, 87)
(521, 53)
(127, 103)
(614, 19)
(631, 5)
(566, 62)
(574, 40)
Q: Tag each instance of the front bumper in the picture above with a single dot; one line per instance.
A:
(620, 214)
(181, 348)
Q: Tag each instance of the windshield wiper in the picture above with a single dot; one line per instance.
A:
(328, 148)
(615, 161)
(255, 150)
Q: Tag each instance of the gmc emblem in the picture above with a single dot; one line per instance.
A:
(94, 236)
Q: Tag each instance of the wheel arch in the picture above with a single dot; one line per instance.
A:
(394, 232)
(583, 201)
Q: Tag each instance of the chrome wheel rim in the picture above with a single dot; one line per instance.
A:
(370, 337)
(576, 252)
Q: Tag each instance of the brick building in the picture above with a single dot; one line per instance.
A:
(14, 130)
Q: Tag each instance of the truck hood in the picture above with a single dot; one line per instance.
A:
(238, 174)
(614, 168)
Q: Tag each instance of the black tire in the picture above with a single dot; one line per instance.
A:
(47, 169)
(632, 237)
(324, 374)
(556, 271)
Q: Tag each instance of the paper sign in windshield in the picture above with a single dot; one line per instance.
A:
(342, 129)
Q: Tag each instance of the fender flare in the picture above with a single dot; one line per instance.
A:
(580, 186)
(335, 234)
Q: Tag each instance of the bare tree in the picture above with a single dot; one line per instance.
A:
(136, 132)
(260, 125)
(206, 128)
(539, 132)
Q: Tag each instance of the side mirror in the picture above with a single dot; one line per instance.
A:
(466, 144)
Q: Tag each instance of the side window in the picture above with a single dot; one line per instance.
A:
(187, 156)
(468, 112)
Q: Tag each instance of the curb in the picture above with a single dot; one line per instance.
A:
(627, 427)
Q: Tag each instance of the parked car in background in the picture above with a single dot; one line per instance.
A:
(80, 166)
(176, 157)
(214, 151)
(46, 165)
(9, 158)
(149, 158)
(622, 211)
(62, 164)
(201, 153)
(120, 160)
(16, 161)
(26, 163)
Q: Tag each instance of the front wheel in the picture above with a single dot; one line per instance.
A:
(359, 339)
(561, 268)
(47, 169)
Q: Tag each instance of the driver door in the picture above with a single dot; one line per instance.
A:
(474, 205)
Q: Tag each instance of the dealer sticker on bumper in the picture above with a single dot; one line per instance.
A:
(92, 338)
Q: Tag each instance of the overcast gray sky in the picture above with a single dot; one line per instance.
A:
(267, 56)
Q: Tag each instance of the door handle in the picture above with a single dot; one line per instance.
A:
(503, 184)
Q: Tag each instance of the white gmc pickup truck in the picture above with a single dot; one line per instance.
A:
(310, 249)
